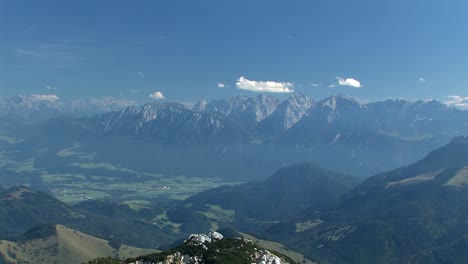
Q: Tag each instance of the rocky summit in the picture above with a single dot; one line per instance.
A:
(212, 248)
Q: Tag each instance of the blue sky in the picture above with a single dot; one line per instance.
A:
(183, 49)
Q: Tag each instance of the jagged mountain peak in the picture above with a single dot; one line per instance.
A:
(36, 108)
(299, 96)
(200, 106)
(299, 100)
(23, 99)
(89, 107)
(432, 105)
(288, 113)
(169, 123)
(27, 105)
(150, 111)
(249, 109)
(333, 102)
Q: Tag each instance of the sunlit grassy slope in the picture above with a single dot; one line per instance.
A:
(66, 246)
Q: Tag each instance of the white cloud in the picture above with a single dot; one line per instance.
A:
(333, 85)
(261, 86)
(422, 80)
(157, 95)
(134, 91)
(314, 84)
(51, 88)
(349, 82)
(45, 97)
(458, 101)
(221, 85)
(141, 74)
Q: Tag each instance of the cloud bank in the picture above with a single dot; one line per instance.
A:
(157, 95)
(458, 101)
(264, 86)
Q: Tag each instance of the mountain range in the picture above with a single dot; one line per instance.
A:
(251, 137)
(34, 108)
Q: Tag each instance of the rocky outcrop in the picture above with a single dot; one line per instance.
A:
(215, 236)
(265, 257)
(198, 239)
(202, 239)
(212, 248)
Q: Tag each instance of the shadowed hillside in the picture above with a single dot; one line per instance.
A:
(415, 214)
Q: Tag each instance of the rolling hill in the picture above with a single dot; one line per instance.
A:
(286, 193)
(63, 245)
(22, 209)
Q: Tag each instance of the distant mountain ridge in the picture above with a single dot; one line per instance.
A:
(361, 135)
(248, 109)
(268, 116)
(42, 107)
(261, 133)
(170, 123)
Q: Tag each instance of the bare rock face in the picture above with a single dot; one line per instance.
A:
(178, 258)
(265, 257)
(199, 239)
(215, 236)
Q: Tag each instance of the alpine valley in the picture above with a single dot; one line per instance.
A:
(327, 181)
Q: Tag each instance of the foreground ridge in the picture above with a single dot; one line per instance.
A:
(210, 248)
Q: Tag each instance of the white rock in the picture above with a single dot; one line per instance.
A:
(199, 238)
(215, 236)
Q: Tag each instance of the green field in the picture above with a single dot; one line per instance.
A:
(216, 214)
(79, 176)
